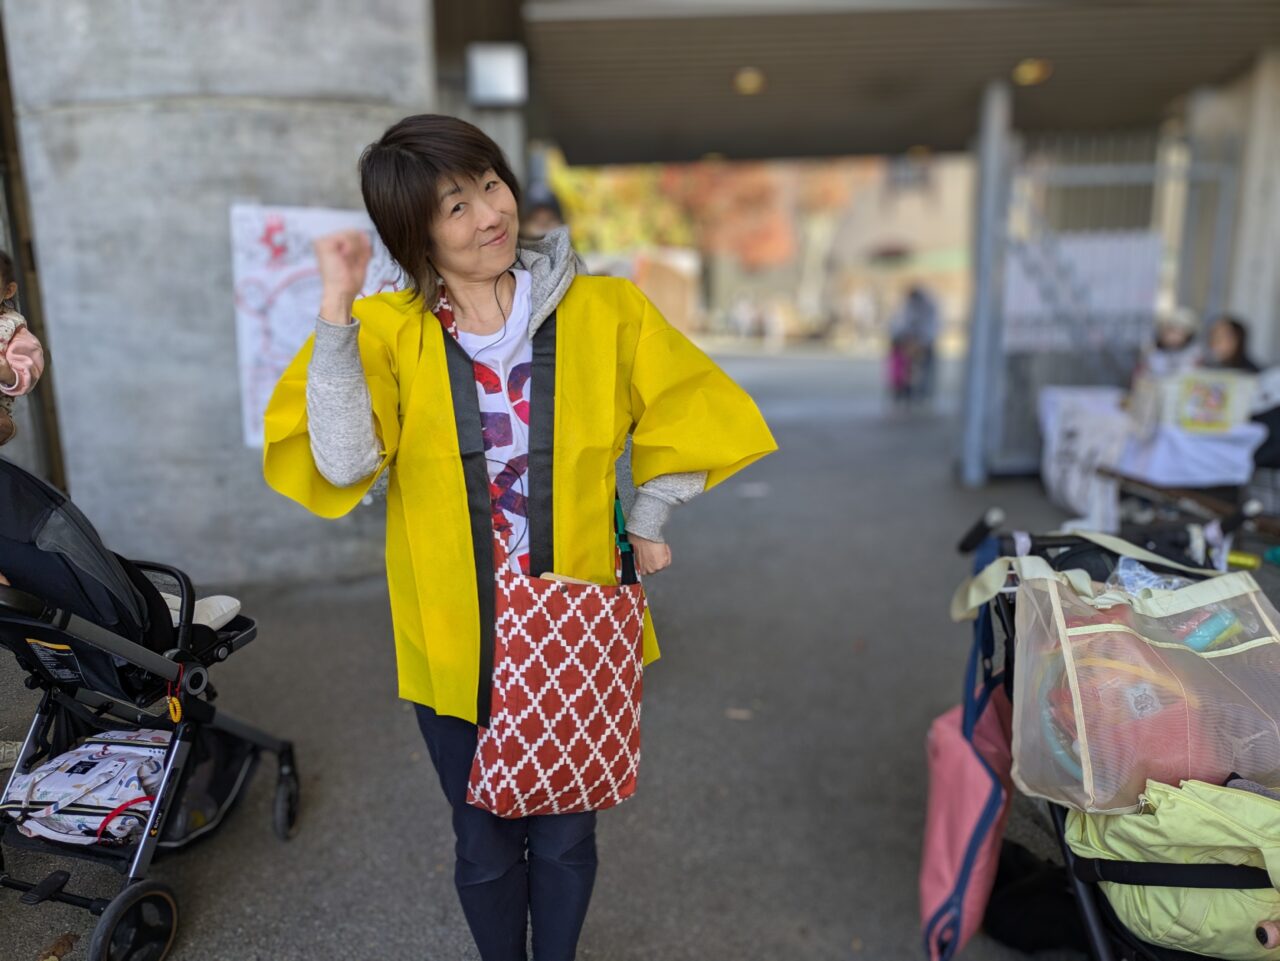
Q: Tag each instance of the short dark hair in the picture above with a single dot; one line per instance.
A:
(542, 197)
(400, 177)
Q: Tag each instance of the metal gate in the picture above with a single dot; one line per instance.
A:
(1090, 237)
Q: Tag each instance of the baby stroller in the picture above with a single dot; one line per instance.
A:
(1107, 936)
(116, 657)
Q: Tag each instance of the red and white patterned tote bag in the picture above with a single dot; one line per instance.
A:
(564, 727)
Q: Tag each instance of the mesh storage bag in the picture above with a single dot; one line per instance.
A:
(1114, 688)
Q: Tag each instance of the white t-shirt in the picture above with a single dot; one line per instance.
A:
(503, 369)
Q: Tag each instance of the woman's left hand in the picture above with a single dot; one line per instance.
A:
(651, 556)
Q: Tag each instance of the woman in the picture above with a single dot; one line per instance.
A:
(1229, 346)
(565, 367)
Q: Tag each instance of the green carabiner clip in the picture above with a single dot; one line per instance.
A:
(620, 527)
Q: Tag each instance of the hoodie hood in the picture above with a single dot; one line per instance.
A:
(552, 265)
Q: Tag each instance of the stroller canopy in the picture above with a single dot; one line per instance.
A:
(49, 549)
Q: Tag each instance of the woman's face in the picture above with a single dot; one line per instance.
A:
(474, 234)
(1222, 342)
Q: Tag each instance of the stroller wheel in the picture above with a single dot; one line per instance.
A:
(138, 925)
(285, 811)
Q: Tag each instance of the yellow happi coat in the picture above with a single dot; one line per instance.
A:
(619, 368)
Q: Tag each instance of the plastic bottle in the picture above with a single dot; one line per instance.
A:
(1202, 638)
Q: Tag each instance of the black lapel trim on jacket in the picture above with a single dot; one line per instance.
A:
(542, 430)
(475, 469)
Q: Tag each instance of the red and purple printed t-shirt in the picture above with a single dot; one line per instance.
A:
(503, 365)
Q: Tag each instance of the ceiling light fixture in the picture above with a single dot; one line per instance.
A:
(1032, 72)
(748, 81)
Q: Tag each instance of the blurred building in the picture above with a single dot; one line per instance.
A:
(1139, 134)
(1125, 152)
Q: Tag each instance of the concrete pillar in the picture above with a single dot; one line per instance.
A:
(1254, 291)
(984, 365)
(140, 121)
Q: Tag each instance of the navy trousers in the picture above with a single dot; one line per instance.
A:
(511, 871)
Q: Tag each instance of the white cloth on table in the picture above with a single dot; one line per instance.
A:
(1179, 458)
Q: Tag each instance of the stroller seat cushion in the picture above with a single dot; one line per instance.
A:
(213, 612)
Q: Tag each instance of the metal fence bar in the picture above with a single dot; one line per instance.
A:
(1118, 175)
(1220, 256)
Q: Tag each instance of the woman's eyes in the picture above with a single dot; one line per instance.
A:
(457, 208)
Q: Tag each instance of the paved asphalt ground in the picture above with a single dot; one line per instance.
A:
(807, 647)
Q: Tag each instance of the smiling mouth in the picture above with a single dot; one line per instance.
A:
(496, 240)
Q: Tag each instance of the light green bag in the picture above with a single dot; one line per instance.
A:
(1198, 823)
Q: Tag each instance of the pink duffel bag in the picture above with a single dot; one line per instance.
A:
(969, 788)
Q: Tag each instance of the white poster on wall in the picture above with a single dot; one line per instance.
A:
(277, 291)
(1106, 279)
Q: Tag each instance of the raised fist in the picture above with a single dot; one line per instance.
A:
(343, 258)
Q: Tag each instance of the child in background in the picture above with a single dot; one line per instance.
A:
(1175, 350)
(900, 369)
(21, 355)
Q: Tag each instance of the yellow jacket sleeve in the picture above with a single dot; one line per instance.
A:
(287, 463)
(688, 414)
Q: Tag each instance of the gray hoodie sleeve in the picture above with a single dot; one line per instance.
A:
(655, 500)
(339, 409)
(649, 507)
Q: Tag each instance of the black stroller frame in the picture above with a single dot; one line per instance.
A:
(1108, 938)
(140, 922)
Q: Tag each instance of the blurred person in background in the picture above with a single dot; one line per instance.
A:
(1228, 344)
(542, 212)
(862, 313)
(1174, 349)
(913, 333)
(900, 366)
(378, 391)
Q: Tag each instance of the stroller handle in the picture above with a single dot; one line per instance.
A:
(26, 605)
(186, 597)
(32, 608)
(991, 519)
(1041, 542)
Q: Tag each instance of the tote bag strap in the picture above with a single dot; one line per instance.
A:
(1118, 545)
(626, 555)
(976, 591)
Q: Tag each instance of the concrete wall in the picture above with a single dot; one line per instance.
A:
(140, 121)
(1255, 278)
(1244, 115)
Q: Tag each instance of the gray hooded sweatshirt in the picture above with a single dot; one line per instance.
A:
(345, 445)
